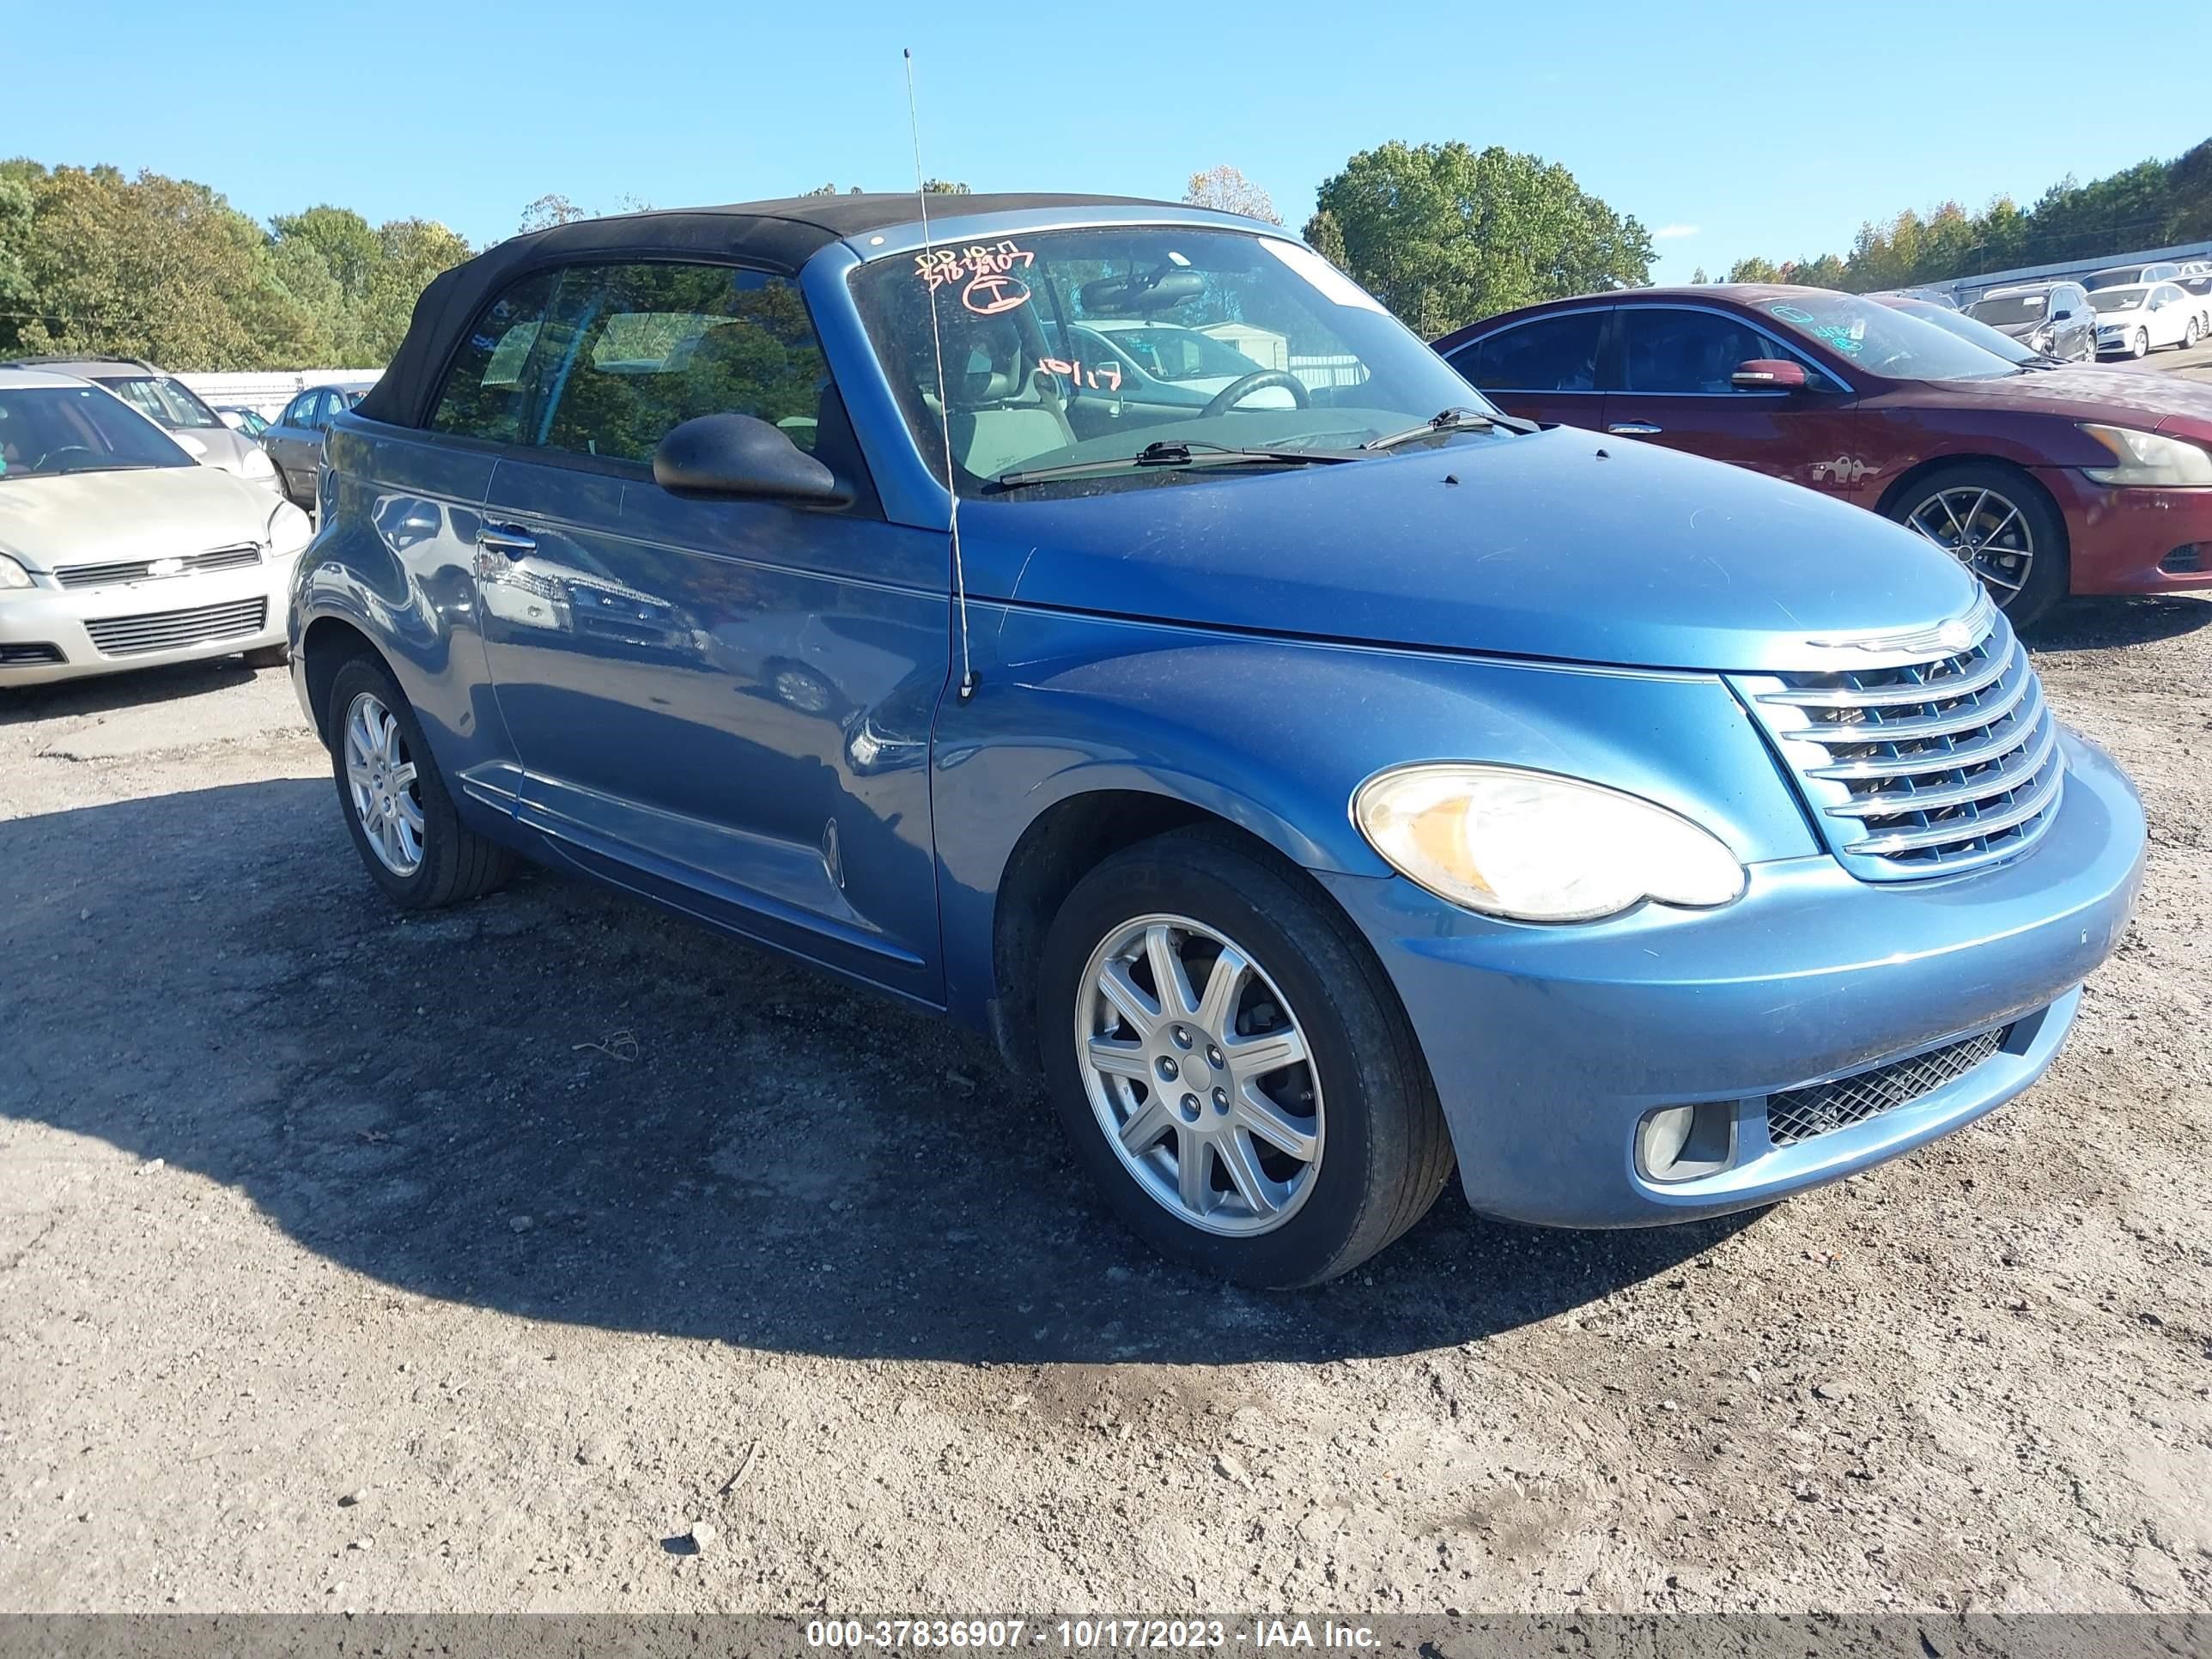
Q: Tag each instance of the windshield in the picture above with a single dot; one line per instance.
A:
(2117, 299)
(1977, 333)
(2114, 278)
(47, 430)
(1898, 343)
(2010, 308)
(1064, 347)
(158, 397)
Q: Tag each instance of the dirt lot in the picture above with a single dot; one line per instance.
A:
(355, 1261)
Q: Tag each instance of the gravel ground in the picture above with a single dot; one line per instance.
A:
(350, 1261)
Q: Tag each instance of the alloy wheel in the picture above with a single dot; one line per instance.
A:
(2142, 343)
(1200, 1075)
(381, 780)
(1983, 531)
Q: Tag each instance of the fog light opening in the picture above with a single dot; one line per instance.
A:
(1682, 1143)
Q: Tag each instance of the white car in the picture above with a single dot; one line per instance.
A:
(118, 551)
(2134, 321)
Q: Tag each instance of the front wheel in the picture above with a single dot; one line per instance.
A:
(410, 839)
(1998, 524)
(2141, 345)
(2189, 339)
(1232, 1065)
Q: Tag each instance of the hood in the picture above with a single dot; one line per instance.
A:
(215, 446)
(1560, 545)
(93, 518)
(2127, 397)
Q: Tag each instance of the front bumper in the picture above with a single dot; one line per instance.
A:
(2133, 539)
(1549, 1045)
(49, 633)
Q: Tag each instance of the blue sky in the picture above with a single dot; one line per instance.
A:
(1753, 129)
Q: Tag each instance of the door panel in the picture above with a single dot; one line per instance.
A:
(1674, 390)
(727, 704)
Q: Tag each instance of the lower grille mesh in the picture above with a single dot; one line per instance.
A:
(170, 630)
(1798, 1115)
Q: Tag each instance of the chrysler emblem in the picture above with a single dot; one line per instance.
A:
(1954, 634)
(165, 567)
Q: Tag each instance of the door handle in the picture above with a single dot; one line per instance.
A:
(1632, 429)
(511, 539)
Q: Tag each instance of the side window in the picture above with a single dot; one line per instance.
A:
(292, 410)
(494, 375)
(1669, 350)
(315, 409)
(1552, 353)
(636, 349)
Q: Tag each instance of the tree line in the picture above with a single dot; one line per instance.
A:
(2151, 204)
(92, 260)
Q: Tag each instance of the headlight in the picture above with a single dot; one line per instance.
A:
(13, 575)
(1538, 848)
(2149, 457)
(289, 530)
(256, 465)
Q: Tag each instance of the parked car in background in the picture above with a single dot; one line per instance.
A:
(117, 551)
(171, 404)
(1306, 790)
(295, 438)
(2134, 322)
(2131, 276)
(1977, 333)
(252, 422)
(2196, 279)
(2051, 319)
(2042, 481)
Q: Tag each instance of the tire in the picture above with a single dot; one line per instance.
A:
(2189, 339)
(2141, 345)
(268, 656)
(2048, 566)
(454, 862)
(1380, 1151)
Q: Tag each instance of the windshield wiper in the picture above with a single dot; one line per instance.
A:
(1168, 454)
(1449, 420)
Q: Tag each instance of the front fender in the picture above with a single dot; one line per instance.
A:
(1275, 735)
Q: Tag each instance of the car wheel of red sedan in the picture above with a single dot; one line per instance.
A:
(2000, 526)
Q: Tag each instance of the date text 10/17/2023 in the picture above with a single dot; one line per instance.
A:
(1088, 1635)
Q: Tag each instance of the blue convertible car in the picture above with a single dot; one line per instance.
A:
(1315, 784)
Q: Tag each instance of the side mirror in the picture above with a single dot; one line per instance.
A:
(737, 456)
(1768, 375)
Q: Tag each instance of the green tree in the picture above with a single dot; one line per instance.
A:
(1754, 270)
(1326, 237)
(1444, 235)
(414, 251)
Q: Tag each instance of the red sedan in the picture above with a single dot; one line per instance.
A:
(2043, 481)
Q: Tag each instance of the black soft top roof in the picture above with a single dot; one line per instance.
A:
(780, 235)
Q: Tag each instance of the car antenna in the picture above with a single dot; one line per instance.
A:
(944, 405)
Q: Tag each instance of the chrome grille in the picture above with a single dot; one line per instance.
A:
(1798, 1115)
(139, 570)
(170, 630)
(1922, 767)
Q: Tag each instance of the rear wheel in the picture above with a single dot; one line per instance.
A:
(1232, 1066)
(1994, 521)
(2188, 340)
(410, 839)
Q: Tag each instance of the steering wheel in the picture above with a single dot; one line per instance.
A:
(1236, 390)
(39, 466)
